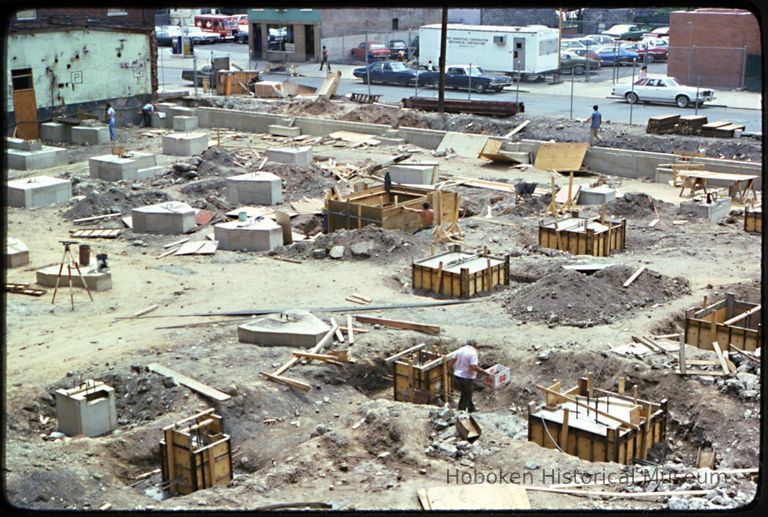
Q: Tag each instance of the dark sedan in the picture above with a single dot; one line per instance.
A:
(463, 77)
(205, 72)
(393, 72)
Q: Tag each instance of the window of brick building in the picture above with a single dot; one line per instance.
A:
(395, 24)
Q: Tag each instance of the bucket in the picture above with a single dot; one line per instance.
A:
(85, 254)
(242, 216)
(101, 261)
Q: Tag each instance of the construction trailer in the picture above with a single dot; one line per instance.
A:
(385, 208)
(422, 375)
(530, 51)
(753, 219)
(596, 424)
(727, 321)
(195, 454)
(458, 274)
(597, 236)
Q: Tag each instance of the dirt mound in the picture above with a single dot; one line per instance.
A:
(567, 297)
(213, 187)
(391, 116)
(638, 205)
(301, 181)
(114, 200)
(218, 162)
(317, 106)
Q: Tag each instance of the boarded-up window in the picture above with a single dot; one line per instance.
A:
(21, 79)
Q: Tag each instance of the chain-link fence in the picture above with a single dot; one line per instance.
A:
(340, 47)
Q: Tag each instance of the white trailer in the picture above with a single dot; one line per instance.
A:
(530, 50)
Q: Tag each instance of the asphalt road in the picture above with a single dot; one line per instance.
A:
(537, 102)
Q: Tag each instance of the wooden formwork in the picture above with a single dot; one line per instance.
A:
(753, 220)
(584, 235)
(385, 209)
(460, 275)
(597, 425)
(728, 321)
(422, 376)
(195, 454)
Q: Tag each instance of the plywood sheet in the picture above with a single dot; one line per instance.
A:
(308, 206)
(203, 217)
(97, 233)
(565, 156)
(189, 382)
(468, 146)
(478, 497)
(492, 151)
(198, 248)
(351, 137)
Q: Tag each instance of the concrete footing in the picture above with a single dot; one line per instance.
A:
(29, 155)
(423, 173)
(185, 144)
(185, 123)
(95, 280)
(110, 167)
(715, 211)
(296, 328)
(255, 188)
(251, 235)
(295, 156)
(278, 130)
(16, 253)
(92, 135)
(55, 132)
(87, 409)
(596, 195)
(38, 191)
(161, 120)
(169, 218)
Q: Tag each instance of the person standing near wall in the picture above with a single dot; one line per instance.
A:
(324, 59)
(109, 118)
(146, 114)
(595, 119)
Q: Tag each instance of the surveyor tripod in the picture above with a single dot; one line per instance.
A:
(69, 260)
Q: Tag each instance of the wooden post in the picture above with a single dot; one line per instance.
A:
(622, 380)
(681, 353)
(446, 391)
(439, 278)
(506, 269)
(634, 394)
(359, 216)
(169, 458)
(590, 379)
(464, 279)
(350, 334)
(730, 299)
(564, 431)
(713, 327)
(583, 386)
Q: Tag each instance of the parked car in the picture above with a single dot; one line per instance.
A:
(625, 31)
(659, 32)
(615, 55)
(647, 53)
(463, 77)
(568, 44)
(598, 39)
(201, 37)
(189, 75)
(663, 89)
(165, 34)
(375, 51)
(583, 52)
(571, 62)
(395, 46)
(241, 36)
(393, 72)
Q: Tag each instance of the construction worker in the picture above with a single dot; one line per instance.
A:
(400, 55)
(109, 118)
(595, 119)
(325, 59)
(146, 114)
(426, 213)
(465, 371)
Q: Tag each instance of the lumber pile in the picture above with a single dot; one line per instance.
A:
(661, 124)
(691, 124)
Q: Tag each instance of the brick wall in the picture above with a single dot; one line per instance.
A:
(719, 37)
(338, 22)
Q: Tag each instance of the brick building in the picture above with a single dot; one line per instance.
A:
(715, 48)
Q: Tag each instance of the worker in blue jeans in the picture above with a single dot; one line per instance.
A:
(465, 371)
(595, 119)
(110, 119)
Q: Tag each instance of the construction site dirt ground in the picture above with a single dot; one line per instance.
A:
(346, 441)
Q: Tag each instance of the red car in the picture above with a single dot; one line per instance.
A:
(655, 53)
(375, 51)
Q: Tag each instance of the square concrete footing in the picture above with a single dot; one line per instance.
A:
(184, 123)
(161, 120)
(255, 188)
(23, 145)
(38, 191)
(95, 280)
(294, 328)
(596, 195)
(299, 156)
(93, 135)
(87, 409)
(110, 167)
(55, 132)
(16, 253)
(169, 218)
(278, 130)
(414, 173)
(251, 235)
(714, 212)
(185, 144)
(44, 158)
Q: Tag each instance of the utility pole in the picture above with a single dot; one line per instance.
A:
(441, 63)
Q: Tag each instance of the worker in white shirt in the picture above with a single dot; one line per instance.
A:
(146, 114)
(465, 371)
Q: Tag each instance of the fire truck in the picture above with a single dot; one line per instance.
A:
(223, 25)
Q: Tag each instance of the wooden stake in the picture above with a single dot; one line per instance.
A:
(339, 335)
(721, 357)
(584, 405)
(564, 431)
(634, 276)
(681, 353)
(350, 333)
(622, 380)
(713, 327)
(634, 394)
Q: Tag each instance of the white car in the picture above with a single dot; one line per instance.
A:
(598, 39)
(618, 30)
(663, 89)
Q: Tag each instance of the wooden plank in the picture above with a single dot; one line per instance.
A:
(517, 129)
(284, 220)
(339, 335)
(166, 253)
(204, 217)
(198, 248)
(350, 330)
(721, 358)
(405, 352)
(584, 405)
(293, 383)
(324, 341)
(478, 497)
(634, 276)
(400, 324)
(96, 218)
(189, 382)
(423, 498)
(176, 243)
(742, 316)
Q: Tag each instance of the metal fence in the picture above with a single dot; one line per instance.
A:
(340, 47)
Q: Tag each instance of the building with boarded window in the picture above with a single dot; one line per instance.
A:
(60, 62)
(298, 35)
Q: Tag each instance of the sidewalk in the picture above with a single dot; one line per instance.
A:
(598, 89)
